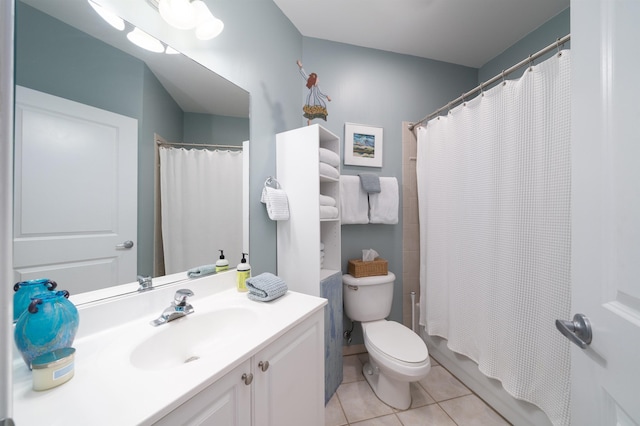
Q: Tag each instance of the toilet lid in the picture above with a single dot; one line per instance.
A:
(397, 341)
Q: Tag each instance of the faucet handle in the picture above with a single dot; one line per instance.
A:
(180, 299)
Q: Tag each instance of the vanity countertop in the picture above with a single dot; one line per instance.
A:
(108, 389)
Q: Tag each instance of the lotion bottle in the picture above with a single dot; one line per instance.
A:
(222, 264)
(243, 272)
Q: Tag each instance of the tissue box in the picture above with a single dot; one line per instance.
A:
(359, 268)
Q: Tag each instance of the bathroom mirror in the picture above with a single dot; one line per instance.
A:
(211, 110)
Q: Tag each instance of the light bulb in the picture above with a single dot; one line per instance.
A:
(207, 25)
(112, 19)
(178, 13)
(144, 40)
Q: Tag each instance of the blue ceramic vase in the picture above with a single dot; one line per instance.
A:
(49, 323)
(25, 290)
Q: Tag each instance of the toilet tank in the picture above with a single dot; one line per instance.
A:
(367, 298)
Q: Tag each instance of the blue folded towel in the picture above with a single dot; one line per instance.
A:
(265, 287)
(201, 271)
(370, 182)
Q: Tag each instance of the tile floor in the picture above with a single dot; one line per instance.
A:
(439, 399)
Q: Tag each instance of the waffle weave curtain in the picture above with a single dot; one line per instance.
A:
(201, 205)
(495, 228)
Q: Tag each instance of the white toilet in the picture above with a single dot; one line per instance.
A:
(397, 356)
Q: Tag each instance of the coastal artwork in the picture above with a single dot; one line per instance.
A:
(363, 145)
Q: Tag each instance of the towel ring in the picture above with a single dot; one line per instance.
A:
(272, 182)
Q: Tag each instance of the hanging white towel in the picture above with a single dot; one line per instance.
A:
(275, 200)
(354, 206)
(329, 171)
(384, 205)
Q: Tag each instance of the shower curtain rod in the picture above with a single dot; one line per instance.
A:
(200, 145)
(559, 42)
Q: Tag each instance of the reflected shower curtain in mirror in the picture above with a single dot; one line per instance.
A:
(201, 197)
(495, 233)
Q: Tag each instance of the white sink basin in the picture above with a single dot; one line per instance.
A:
(193, 337)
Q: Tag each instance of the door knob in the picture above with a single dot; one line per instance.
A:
(578, 330)
(126, 245)
(264, 365)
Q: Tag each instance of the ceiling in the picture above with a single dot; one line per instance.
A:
(464, 32)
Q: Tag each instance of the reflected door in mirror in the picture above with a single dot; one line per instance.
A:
(76, 193)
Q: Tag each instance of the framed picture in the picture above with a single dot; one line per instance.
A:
(362, 145)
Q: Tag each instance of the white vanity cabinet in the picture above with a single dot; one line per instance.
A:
(281, 385)
(226, 402)
(288, 378)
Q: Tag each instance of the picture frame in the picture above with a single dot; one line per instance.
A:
(362, 145)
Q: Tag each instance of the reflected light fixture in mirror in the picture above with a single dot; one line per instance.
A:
(112, 19)
(186, 15)
(144, 40)
(136, 36)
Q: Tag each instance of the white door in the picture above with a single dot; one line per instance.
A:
(75, 193)
(606, 210)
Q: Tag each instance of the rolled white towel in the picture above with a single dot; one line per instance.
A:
(328, 212)
(354, 206)
(325, 200)
(329, 171)
(329, 157)
(384, 205)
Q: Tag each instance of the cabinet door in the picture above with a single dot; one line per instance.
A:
(226, 402)
(289, 390)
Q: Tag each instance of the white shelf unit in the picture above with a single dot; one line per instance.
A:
(299, 238)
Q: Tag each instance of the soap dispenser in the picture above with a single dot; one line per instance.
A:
(222, 264)
(243, 272)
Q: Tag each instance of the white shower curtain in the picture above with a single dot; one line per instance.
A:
(201, 206)
(495, 236)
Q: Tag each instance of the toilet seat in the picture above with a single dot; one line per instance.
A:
(395, 341)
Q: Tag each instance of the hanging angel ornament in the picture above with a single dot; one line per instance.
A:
(315, 106)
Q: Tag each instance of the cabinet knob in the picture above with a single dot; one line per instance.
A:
(264, 365)
(247, 378)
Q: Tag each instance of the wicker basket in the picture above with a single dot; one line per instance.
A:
(358, 268)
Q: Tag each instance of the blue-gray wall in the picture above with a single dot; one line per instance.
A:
(381, 89)
(549, 32)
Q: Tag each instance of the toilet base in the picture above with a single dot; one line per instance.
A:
(394, 393)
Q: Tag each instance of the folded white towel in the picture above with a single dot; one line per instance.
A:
(384, 205)
(325, 200)
(354, 206)
(329, 157)
(328, 212)
(276, 202)
(329, 171)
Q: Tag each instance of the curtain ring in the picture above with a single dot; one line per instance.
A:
(464, 103)
(449, 108)
(530, 63)
(558, 47)
(481, 89)
(503, 80)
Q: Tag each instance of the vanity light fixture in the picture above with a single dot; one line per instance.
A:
(112, 19)
(144, 40)
(190, 14)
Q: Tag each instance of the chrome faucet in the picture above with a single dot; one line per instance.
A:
(146, 283)
(178, 309)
